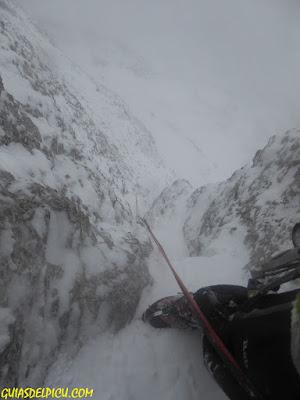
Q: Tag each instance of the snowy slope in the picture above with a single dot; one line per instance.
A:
(76, 267)
(61, 98)
(72, 265)
(260, 203)
(143, 362)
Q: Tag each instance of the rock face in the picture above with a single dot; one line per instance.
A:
(72, 263)
(64, 279)
(264, 198)
(259, 204)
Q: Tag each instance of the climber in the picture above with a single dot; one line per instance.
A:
(255, 325)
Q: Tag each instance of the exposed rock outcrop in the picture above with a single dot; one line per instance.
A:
(264, 198)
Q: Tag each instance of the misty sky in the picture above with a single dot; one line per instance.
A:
(211, 79)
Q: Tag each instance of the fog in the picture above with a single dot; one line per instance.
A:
(212, 80)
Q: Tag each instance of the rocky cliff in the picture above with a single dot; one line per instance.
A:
(263, 198)
(71, 263)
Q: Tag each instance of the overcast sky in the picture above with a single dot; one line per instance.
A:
(211, 79)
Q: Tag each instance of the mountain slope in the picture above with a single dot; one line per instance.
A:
(72, 265)
(263, 198)
(74, 261)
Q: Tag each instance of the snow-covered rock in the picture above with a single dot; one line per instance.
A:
(166, 205)
(256, 207)
(260, 202)
(71, 263)
(7, 319)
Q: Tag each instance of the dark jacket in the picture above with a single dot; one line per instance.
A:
(257, 332)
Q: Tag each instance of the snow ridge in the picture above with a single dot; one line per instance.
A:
(263, 198)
